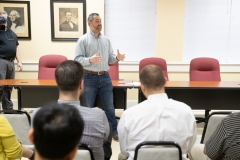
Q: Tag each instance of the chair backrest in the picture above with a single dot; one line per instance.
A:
(212, 121)
(114, 71)
(156, 61)
(158, 150)
(48, 64)
(21, 123)
(204, 69)
(84, 153)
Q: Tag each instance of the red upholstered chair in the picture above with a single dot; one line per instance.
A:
(204, 69)
(48, 64)
(114, 71)
(156, 61)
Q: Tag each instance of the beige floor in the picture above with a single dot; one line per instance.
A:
(116, 147)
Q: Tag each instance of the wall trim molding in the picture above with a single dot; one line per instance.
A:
(133, 67)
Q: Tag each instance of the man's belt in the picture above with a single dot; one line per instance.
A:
(9, 59)
(92, 72)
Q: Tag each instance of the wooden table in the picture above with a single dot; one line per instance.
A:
(5, 82)
(34, 93)
(197, 94)
(204, 95)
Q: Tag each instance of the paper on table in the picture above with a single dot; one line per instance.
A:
(135, 83)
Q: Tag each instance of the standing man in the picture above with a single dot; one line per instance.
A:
(94, 51)
(68, 25)
(8, 52)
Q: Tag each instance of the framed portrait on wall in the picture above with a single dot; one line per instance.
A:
(68, 19)
(18, 17)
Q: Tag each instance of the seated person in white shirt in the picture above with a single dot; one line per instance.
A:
(156, 119)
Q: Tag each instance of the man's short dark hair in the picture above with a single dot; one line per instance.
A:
(68, 75)
(57, 130)
(151, 76)
(91, 16)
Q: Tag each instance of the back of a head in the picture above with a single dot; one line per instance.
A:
(68, 75)
(151, 76)
(57, 130)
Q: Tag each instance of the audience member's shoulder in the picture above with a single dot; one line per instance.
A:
(2, 118)
(136, 107)
(180, 105)
(232, 117)
(92, 110)
(5, 127)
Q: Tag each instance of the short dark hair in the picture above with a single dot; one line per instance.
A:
(90, 17)
(68, 75)
(57, 130)
(151, 76)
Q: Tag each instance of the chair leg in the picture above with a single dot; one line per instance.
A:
(200, 120)
(207, 113)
